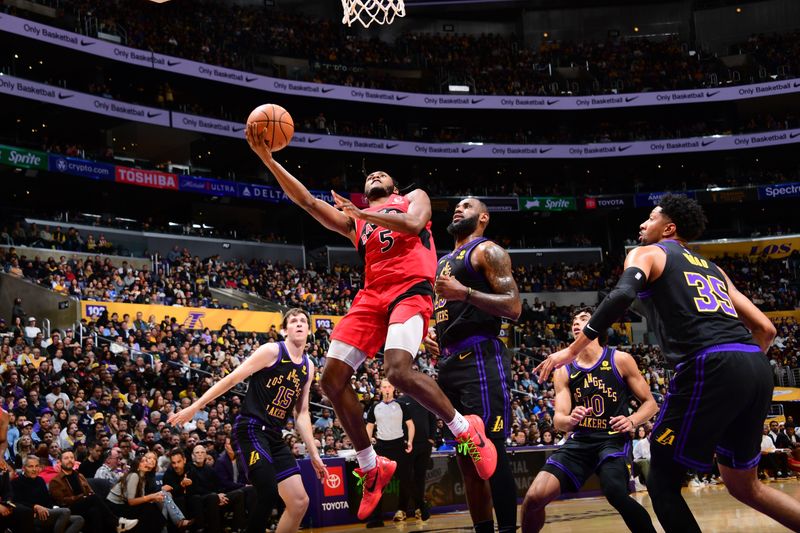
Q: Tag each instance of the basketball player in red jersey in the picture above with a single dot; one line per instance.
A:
(392, 310)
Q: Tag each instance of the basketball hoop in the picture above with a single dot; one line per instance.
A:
(368, 11)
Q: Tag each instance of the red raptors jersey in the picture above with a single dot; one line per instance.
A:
(391, 257)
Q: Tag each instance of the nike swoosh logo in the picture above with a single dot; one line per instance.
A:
(797, 84)
(248, 80)
(630, 98)
(286, 360)
(152, 115)
(793, 135)
(173, 63)
(238, 129)
(623, 148)
(613, 432)
(390, 146)
(709, 95)
(64, 96)
(312, 141)
(326, 91)
(477, 100)
(86, 43)
(465, 150)
(544, 150)
(575, 375)
(464, 355)
(482, 443)
(706, 143)
(551, 102)
(401, 98)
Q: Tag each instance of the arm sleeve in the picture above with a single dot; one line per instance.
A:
(617, 302)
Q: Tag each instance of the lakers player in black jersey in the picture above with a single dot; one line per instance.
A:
(722, 388)
(280, 378)
(592, 401)
(475, 287)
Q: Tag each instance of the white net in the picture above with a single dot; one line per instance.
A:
(368, 11)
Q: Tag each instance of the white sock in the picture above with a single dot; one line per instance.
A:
(458, 424)
(366, 459)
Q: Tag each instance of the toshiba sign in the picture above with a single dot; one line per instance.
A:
(147, 178)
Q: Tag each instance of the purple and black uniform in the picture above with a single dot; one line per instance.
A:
(475, 367)
(594, 445)
(722, 388)
(270, 401)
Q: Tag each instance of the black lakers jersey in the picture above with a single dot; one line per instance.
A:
(688, 306)
(601, 388)
(456, 321)
(274, 391)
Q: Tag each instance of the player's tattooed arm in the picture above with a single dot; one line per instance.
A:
(494, 263)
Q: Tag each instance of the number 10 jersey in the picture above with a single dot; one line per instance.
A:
(688, 306)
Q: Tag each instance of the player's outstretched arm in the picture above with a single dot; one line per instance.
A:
(758, 323)
(641, 264)
(263, 357)
(411, 222)
(326, 214)
(629, 370)
(304, 428)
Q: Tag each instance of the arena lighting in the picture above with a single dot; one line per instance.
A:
(458, 88)
(159, 1)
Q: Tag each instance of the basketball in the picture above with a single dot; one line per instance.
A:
(276, 121)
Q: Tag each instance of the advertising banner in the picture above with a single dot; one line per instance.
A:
(767, 247)
(22, 157)
(727, 196)
(9, 85)
(779, 190)
(361, 145)
(147, 178)
(146, 59)
(329, 497)
(547, 203)
(199, 318)
(82, 168)
(651, 199)
(190, 317)
(209, 186)
(607, 202)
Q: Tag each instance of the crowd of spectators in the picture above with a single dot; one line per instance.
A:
(180, 278)
(105, 397)
(232, 35)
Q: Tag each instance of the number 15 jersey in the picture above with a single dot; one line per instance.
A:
(688, 306)
(391, 258)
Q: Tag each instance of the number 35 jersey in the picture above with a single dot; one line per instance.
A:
(391, 258)
(688, 306)
(273, 391)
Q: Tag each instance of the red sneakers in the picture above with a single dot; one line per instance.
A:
(478, 447)
(373, 483)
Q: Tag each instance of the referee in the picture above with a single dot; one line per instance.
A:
(391, 420)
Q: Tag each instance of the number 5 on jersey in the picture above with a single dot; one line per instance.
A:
(386, 239)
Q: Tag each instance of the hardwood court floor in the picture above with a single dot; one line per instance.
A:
(715, 510)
